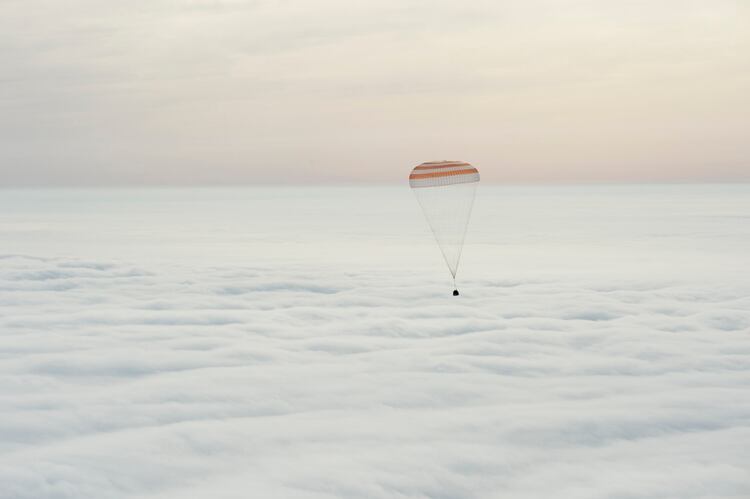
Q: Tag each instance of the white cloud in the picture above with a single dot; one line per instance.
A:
(590, 369)
(297, 392)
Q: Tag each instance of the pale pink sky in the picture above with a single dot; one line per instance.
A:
(96, 92)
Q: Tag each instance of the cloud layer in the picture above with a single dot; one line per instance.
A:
(130, 375)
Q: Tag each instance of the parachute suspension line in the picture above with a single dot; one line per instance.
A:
(445, 190)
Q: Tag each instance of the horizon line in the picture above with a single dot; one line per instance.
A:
(363, 184)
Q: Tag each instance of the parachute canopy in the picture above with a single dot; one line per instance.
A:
(445, 190)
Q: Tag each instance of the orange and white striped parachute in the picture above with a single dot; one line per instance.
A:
(445, 190)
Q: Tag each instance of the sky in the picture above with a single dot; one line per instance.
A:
(203, 92)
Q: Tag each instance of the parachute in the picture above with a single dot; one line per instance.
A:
(445, 190)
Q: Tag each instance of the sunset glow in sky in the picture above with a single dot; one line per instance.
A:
(208, 92)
